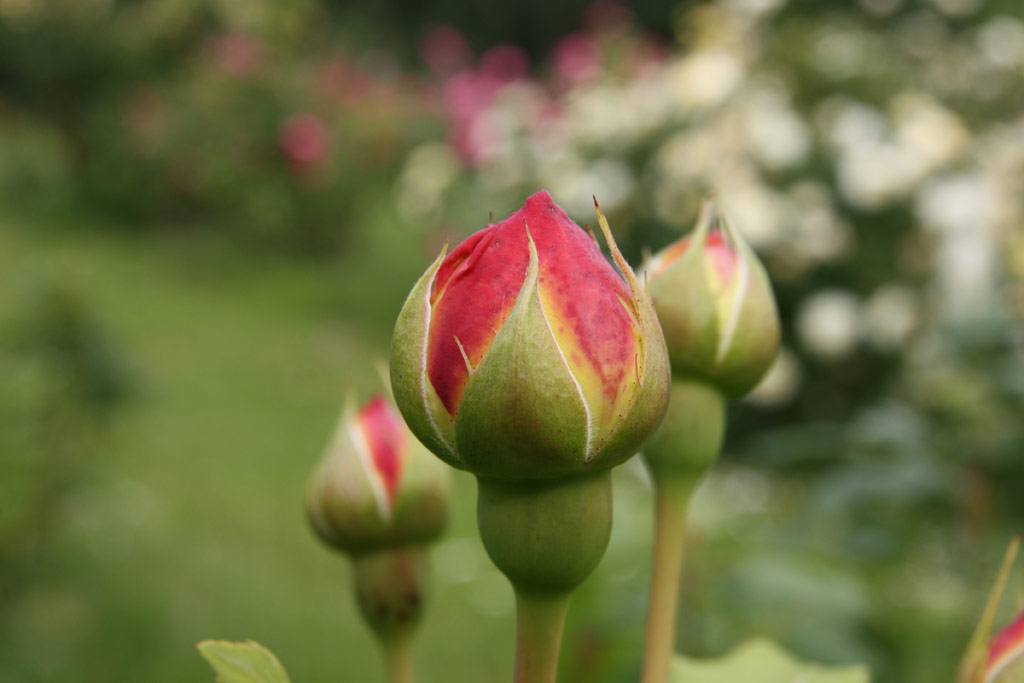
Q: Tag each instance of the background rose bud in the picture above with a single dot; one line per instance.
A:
(1006, 655)
(524, 354)
(376, 487)
(716, 306)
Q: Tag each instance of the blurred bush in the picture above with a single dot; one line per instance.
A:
(254, 119)
(63, 379)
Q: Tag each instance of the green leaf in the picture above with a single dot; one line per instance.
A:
(247, 662)
(762, 661)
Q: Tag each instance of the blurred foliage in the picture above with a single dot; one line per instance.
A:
(184, 157)
(63, 380)
(763, 661)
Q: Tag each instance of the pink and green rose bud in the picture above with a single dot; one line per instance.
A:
(524, 354)
(716, 306)
(1006, 655)
(376, 487)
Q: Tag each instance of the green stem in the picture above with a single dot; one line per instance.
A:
(398, 657)
(546, 537)
(389, 589)
(678, 455)
(540, 619)
(670, 539)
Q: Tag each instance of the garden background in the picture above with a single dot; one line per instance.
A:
(210, 215)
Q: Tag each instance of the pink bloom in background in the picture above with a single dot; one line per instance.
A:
(469, 94)
(305, 140)
(504, 64)
(237, 54)
(445, 51)
(575, 58)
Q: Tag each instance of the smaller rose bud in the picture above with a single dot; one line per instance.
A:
(1006, 655)
(716, 306)
(376, 486)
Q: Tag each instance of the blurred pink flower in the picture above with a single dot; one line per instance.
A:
(305, 140)
(469, 94)
(445, 51)
(504, 63)
(237, 54)
(575, 58)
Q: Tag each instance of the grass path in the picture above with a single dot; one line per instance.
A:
(194, 525)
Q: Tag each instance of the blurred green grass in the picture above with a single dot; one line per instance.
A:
(191, 524)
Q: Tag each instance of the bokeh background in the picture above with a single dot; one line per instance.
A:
(210, 215)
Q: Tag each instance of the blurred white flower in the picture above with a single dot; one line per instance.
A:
(429, 171)
(756, 6)
(871, 176)
(610, 180)
(781, 384)
(706, 78)
(600, 115)
(821, 235)
(890, 317)
(928, 128)
(828, 323)
(1001, 41)
(958, 8)
(752, 206)
(778, 137)
(839, 52)
(846, 123)
(1000, 151)
(962, 202)
(962, 209)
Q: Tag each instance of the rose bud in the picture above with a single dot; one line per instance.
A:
(376, 487)
(1006, 655)
(524, 354)
(716, 306)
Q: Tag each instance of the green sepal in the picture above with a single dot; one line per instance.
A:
(546, 536)
(420, 508)
(522, 414)
(245, 662)
(685, 306)
(414, 394)
(653, 373)
(755, 341)
(390, 588)
(1012, 673)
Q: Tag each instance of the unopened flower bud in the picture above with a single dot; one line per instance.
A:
(376, 487)
(523, 354)
(1006, 655)
(716, 306)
